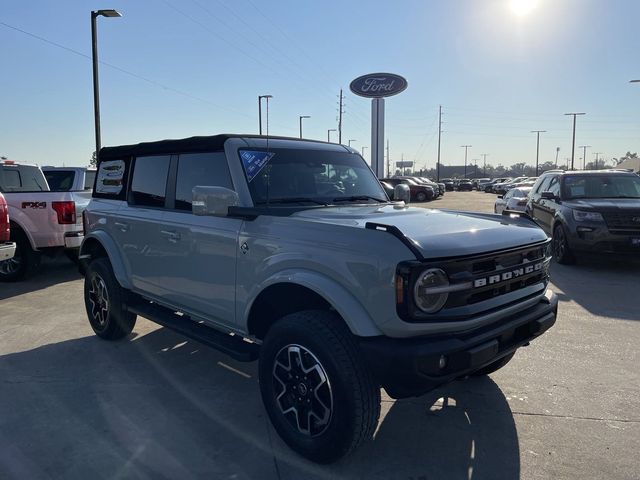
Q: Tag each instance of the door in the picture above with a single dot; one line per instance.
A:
(138, 226)
(537, 207)
(547, 207)
(200, 251)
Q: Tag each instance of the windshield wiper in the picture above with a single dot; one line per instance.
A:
(293, 200)
(355, 198)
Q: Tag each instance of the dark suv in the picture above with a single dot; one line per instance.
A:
(588, 211)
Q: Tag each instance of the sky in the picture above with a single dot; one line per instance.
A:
(177, 68)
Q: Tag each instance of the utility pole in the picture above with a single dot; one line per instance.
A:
(597, 154)
(439, 136)
(340, 118)
(260, 97)
(484, 166)
(584, 155)
(329, 133)
(388, 160)
(557, 152)
(573, 142)
(466, 147)
(537, 132)
(352, 140)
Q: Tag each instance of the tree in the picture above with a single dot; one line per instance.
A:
(626, 156)
(94, 160)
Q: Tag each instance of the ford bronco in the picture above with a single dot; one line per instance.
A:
(289, 251)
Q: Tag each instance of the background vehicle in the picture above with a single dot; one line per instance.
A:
(479, 183)
(41, 221)
(69, 179)
(465, 186)
(424, 181)
(489, 187)
(289, 251)
(7, 248)
(501, 187)
(448, 183)
(514, 199)
(419, 192)
(588, 211)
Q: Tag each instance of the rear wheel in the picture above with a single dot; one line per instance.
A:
(103, 299)
(561, 251)
(421, 196)
(24, 263)
(320, 397)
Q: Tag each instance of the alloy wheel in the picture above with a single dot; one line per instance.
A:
(99, 299)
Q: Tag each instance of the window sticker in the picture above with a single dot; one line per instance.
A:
(253, 162)
(110, 177)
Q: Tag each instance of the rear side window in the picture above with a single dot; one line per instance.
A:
(149, 182)
(59, 180)
(22, 178)
(200, 169)
(112, 178)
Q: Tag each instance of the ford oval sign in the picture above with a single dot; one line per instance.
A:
(377, 85)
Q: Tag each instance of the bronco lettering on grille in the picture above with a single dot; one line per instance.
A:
(508, 275)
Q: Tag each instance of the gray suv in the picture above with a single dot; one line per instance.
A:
(290, 252)
(588, 211)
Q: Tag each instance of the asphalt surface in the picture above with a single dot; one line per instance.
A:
(160, 406)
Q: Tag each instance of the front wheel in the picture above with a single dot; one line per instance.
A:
(103, 300)
(560, 247)
(421, 197)
(320, 397)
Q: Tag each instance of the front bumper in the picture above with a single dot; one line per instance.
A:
(598, 239)
(7, 250)
(412, 366)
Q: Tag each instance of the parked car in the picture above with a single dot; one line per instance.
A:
(7, 248)
(69, 179)
(501, 187)
(419, 192)
(588, 211)
(514, 200)
(448, 183)
(423, 181)
(388, 189)
(42, 221)
(479, 183)
(465, 186)
(488, 188)
(289, 251)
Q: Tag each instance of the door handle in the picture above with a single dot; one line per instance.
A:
(171, 236)
(124, 227)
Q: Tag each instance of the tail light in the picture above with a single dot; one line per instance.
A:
(4, 221)
(66, 212)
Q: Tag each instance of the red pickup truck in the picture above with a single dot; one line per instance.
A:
(7, 248)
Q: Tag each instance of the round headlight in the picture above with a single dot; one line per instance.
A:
(425, 291)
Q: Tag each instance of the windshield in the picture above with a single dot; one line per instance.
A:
(601, 186)
(309, 176)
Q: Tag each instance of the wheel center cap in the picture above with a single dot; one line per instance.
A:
(302, 388)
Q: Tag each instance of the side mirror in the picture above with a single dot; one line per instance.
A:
(401, 192)
(500, 196)
(547, 196)
(213, 201)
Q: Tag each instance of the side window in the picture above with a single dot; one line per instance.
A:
(544, 185)
(111, 179)
(554, 186)
(200, 169)
(509, 194)
(149, 182)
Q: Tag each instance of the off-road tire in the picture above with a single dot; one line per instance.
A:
(25, 262)
(560, 247)
(355, 397)
(107, 314)
(493, 367)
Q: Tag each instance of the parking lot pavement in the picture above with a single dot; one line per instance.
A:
(159, 406)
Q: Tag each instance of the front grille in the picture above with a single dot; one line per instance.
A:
(623, 223)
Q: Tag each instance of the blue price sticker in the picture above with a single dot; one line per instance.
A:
(253, 162)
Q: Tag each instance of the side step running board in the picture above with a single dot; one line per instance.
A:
(232, 345)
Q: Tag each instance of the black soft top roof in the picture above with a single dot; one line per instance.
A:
(182, 145)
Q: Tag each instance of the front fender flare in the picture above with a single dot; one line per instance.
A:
(113, 253)
(348, 307)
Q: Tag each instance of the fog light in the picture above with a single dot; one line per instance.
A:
(585, 229)
(442, 362)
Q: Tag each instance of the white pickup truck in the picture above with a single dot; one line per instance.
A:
(69, 179)
(42, 221)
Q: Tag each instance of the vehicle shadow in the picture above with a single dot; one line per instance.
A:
(604, 286)
(51, 272)
(157, 406)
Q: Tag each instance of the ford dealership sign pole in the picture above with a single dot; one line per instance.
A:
(377, 86)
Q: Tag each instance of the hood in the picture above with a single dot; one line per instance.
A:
(604, 204)
(436, 233)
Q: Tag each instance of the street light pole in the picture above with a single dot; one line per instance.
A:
(537, 132)
(352, 140)
(573, 142)
(597, 154)
(94, 60)
(584, 155)
(300, 118)
(466, 147)
(329, 133)
(260, 97)
(484, 166)
(363, 149)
